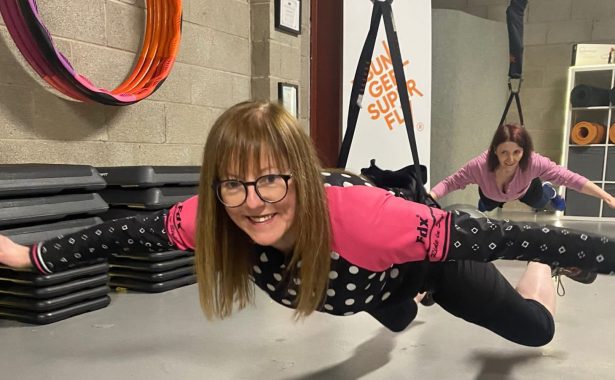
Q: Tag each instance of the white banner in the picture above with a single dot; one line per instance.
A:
(381, 131)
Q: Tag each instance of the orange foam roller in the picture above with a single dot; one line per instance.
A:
(586, 132)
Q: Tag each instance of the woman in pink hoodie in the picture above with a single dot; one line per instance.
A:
(511, 170)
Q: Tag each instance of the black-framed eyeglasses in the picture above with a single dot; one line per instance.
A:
(271, 188)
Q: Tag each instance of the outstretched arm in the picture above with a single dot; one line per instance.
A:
(594, 190)
(473, 172)
(386, 230)
(550, 171)
(484, 239)
(138, 235)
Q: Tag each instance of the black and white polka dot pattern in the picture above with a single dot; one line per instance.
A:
(343, 179)
(351, 289)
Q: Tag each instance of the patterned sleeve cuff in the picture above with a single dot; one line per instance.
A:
(37, 259)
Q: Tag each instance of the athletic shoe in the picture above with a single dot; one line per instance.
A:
(558, 203)
(549, 190)
(428, 299)
(573, 273)
(481, 206)
(576, 274)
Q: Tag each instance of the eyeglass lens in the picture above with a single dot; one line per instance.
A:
(270, 188)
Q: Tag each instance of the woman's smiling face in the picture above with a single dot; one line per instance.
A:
(509, 154)
(266, 223)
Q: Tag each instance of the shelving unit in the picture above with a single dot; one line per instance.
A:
(594, 161)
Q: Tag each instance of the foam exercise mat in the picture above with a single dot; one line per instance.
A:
(34, 304)
(152, 276)
(125, 212)
(32, 179)
(156, 256)
(139, 191)
(38, 209)
(37, 203)
(150, 176)
(39, 232)
(51, 291)
(32, 278)
(151, 287)
(153, 198)
(41, 318)
(589, 96)
(145, 266)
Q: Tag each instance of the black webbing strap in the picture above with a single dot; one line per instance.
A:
(514, 93)
(382, 8)
(359, 84)
(514, 22)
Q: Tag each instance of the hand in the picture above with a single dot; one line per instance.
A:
(610, 201)
(13, 254)
(419, 297)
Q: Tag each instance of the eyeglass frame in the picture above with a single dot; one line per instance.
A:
(216, 186)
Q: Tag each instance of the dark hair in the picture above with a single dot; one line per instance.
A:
(514, 133)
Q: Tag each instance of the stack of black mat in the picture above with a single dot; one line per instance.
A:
(143, 190)
(38, 202)
(583, 95)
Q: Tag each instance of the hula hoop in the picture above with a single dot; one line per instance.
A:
(155, 61)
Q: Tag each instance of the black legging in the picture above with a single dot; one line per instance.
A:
(478, 293)
(533, 197)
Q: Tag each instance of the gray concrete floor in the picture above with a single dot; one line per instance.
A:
(164, 336)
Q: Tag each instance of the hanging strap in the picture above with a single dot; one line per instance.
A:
(359, 84)
(514, 21)
(514, 93)
(382, 8)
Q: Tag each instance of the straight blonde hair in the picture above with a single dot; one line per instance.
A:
(224, 254)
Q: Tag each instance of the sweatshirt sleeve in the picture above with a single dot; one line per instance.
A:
(485, 239)
(466, 175)
(138, 235)
(548, 170)
(373, 229)
(181, 223)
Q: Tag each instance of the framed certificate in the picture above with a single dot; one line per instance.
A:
(288, 96)
(288, 16)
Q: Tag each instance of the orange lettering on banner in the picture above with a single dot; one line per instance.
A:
(411, 85)
(382, 87)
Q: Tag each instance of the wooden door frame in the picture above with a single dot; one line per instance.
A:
(326, 52)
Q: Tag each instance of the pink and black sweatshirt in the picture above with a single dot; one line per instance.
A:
(381, 248)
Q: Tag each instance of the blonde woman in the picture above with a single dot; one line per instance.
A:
(264, 218)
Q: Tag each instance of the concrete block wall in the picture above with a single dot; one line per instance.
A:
(463, 75)
(279, 56)
(551, 29)
(215, 68)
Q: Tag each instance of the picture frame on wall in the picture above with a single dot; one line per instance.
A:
(288, 96)
(288, 16)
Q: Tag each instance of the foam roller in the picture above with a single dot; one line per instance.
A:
(586, 132)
